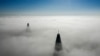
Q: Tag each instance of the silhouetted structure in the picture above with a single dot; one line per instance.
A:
(58, 44)
(28, 28)
(28, 25)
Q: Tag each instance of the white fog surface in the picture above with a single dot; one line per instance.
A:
(80, 35)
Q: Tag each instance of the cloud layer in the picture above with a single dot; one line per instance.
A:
(80, 35)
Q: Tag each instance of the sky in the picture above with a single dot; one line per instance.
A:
(49, 6)
(80, 34)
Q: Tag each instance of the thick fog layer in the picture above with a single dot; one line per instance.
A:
(80, 35)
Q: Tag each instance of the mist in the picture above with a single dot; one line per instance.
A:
(80, 35)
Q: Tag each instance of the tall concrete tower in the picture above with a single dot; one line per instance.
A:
(28, 28)
(28, 24)
(58, 49)
(58, 43)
